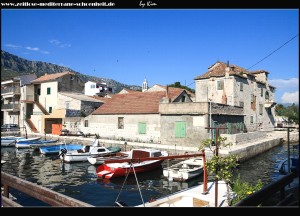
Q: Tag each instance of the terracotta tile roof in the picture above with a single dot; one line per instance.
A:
(174, 89)
(128, 91)
(218, 70)
(79, 96)
(135, 103)
(102, 99)
(48, 77)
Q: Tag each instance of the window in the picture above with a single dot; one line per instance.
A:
(93, 86)
(252, 98)
(67, 104)
(183, 98)
(261, 109)
(219, 85)
(180, 129)
(241, 104)
(48, 91)
(50, 109)
(71, 78)
(142, 128)
(261, 92)
(86, 123)
(241, 87)
(120, 122)
(38, 91)
(267, 95)
(251, 119)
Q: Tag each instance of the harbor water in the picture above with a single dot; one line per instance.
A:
(79, 180)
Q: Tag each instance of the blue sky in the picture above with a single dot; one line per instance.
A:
(165, 46)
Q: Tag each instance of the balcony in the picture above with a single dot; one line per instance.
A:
(10, 91)
(269, 104)
(10, 107)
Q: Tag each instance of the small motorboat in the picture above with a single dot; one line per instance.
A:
(96, 160)
(32, 143)
(82, 154)
(56, 149)
(184, 170)
(10, 141)
(112, 170)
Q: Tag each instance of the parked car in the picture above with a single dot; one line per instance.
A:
(10, 127)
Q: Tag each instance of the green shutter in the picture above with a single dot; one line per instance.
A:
(142, 128)
(48, 91)
(180, 129)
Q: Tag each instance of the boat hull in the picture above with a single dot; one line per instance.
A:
(184, 170)
(108, 171)
(57, 148)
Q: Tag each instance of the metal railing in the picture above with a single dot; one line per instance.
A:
(10, 107)
(268, 191)
(11, 90)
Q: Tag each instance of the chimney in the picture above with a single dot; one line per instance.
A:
(227, 69)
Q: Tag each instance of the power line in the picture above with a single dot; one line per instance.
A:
(275, 50)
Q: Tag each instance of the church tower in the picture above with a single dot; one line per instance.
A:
(145, 85)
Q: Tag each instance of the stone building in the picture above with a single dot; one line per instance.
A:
(235, 86)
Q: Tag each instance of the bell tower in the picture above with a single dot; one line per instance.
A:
(145, 85)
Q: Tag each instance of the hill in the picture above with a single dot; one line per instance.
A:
(12, 65)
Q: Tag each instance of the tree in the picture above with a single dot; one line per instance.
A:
(291, 112)
(178, 85)
(222, 167)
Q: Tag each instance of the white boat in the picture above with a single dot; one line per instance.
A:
(184, 170)
(193, 197)
(96, 160)
(83, 153)
(11, 140)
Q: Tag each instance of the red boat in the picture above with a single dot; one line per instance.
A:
(111, 170)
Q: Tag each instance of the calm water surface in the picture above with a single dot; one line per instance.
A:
(79, 180)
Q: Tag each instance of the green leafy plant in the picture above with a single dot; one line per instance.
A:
(244, 189)
(222, 167)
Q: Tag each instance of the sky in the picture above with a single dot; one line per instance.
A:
(164, 45)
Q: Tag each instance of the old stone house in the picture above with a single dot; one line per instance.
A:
(133, 116)
(235, 86)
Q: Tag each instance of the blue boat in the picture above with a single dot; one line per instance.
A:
(57, 148)
(32, 143)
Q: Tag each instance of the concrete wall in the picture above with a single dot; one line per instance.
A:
(243, 138)
(70, 83)
(183, 108)
(257, 148)
(47, 100)
(63, 99)
(107, 126)
(195, 129)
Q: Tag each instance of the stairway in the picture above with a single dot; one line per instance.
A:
(41, 108)
(31, 125)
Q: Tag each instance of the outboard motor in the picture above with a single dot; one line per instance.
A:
(63, 152)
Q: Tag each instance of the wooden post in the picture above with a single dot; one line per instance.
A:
(217, 154)
(204, 173)
(6, 190)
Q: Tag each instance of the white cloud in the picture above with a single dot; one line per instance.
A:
(290, 97)
(59, 44)
(285, 84)
(12, 46)
(33, 48)
(45, 52)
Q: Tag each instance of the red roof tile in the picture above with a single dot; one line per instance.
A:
(135, 103)
(218, 70)
(48, 77)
